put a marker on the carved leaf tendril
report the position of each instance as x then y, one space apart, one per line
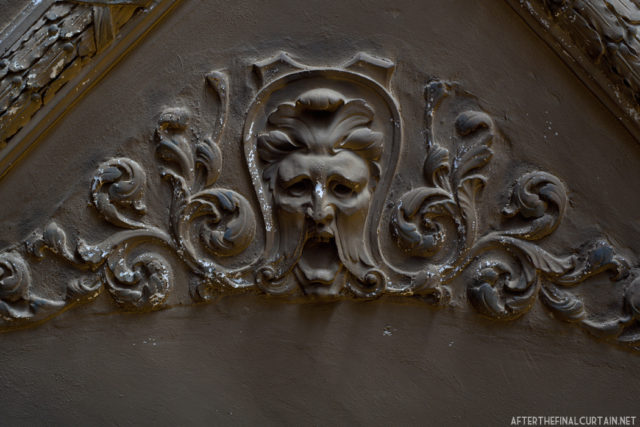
501 291
141 284
221 239
17 301
119 183
436 168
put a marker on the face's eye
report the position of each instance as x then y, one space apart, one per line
299 188
343 190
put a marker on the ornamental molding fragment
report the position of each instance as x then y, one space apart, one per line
599 41
58 51
322 147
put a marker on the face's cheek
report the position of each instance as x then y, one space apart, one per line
291 204
292 190
319 185
353 204
348 183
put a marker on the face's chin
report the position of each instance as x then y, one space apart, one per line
319 266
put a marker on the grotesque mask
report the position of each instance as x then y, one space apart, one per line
321 159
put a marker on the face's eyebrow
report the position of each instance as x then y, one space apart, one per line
349 168
341 179
293 169
286 180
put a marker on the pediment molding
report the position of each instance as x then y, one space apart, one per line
322 146
598 40
55 54
326 236
43 72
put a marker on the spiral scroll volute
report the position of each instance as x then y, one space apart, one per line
15 278
421 220
216 222
502 288
371 285
138 281
119 185
539 198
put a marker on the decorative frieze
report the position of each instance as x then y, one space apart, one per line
322 147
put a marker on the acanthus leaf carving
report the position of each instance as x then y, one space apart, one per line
205 221
562 303
17 299
322 146
220 237
141 283
119 183
510 268
538 196
501 291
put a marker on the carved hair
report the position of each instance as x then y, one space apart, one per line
321 121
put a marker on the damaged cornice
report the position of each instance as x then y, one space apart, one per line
599 41
55 54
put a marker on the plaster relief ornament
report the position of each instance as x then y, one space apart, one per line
320 165
322 146
318 144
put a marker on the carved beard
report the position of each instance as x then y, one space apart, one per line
319 261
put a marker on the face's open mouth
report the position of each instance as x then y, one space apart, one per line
321 234
319 265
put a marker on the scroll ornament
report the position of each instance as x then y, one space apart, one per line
322 147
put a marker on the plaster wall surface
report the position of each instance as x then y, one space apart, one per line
248 359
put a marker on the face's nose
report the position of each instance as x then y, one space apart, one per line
321 211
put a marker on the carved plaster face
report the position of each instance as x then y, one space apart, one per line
324 190
321 158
